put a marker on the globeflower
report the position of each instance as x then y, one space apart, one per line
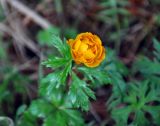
87 49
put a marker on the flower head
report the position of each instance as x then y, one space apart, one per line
87 48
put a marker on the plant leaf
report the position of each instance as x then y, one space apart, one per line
40 108
157 48
79 93
44 36
55 62
94 74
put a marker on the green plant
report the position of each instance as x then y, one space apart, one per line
149 69
110 15
64 91
12 83
141 98
138 100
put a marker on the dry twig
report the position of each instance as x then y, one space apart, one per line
27 12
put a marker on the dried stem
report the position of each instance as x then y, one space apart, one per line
28 12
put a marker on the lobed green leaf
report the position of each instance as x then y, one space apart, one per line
79 93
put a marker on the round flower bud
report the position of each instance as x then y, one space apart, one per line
87 48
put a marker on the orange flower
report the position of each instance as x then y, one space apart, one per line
87 48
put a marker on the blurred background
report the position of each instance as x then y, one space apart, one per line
126 26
